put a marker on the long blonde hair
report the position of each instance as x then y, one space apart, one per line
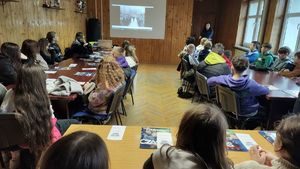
109 73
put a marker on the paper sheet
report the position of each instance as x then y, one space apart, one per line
246 140
73 65
116 133
89 68
50 72
164 138
271 87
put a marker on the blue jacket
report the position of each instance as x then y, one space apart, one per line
247 89
252 55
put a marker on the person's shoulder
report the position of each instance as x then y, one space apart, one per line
250 165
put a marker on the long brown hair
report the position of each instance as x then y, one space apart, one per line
30 48
32 103
78 150
43 43
289 131
202 131
12 51
109 73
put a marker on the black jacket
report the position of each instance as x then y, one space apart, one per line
207 33
54 50
80 50
49 58
8 73
213 70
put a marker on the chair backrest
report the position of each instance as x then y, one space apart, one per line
11 131
129 83
202 85
116 100
3 91
228 100
184 65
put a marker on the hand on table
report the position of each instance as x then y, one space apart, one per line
261 156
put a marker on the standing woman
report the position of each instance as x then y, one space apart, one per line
54 47
10 61
207 32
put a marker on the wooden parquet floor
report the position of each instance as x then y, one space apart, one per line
155 96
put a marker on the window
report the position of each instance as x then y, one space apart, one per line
291 28
253 21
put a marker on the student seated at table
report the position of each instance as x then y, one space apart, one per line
265 59
80 48
246 88
203 53
44 51
10 61
283 59
78 150
200 142
119 54
295 71
200 47
108 78
214 64
54 47
30 48
29 99
130 50
253 54
286 147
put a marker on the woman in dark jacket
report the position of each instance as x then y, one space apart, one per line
207 32
80 48
10 61
54 47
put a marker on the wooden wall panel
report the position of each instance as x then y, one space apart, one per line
178 27
28 20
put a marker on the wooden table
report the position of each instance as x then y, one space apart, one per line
278 101
126 154
81 63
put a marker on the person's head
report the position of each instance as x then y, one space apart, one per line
79 36
287 143
52 37
284 52
203 40
297 58
78 150
11 51
118 51
125 44
32 103
218 48
207 45
266 47
202 131
190 40
254 45
190 49
30 48
207 26
109 73
44 45
239 64
228 54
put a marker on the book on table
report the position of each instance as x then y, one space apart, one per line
238 141
153 138
269 135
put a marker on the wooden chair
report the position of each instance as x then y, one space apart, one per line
11 133
128 89
229 101
112 109
202 87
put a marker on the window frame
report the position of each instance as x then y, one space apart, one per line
257 16
284 25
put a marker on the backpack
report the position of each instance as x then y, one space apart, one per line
184 94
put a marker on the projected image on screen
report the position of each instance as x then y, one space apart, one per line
132 17
137 18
